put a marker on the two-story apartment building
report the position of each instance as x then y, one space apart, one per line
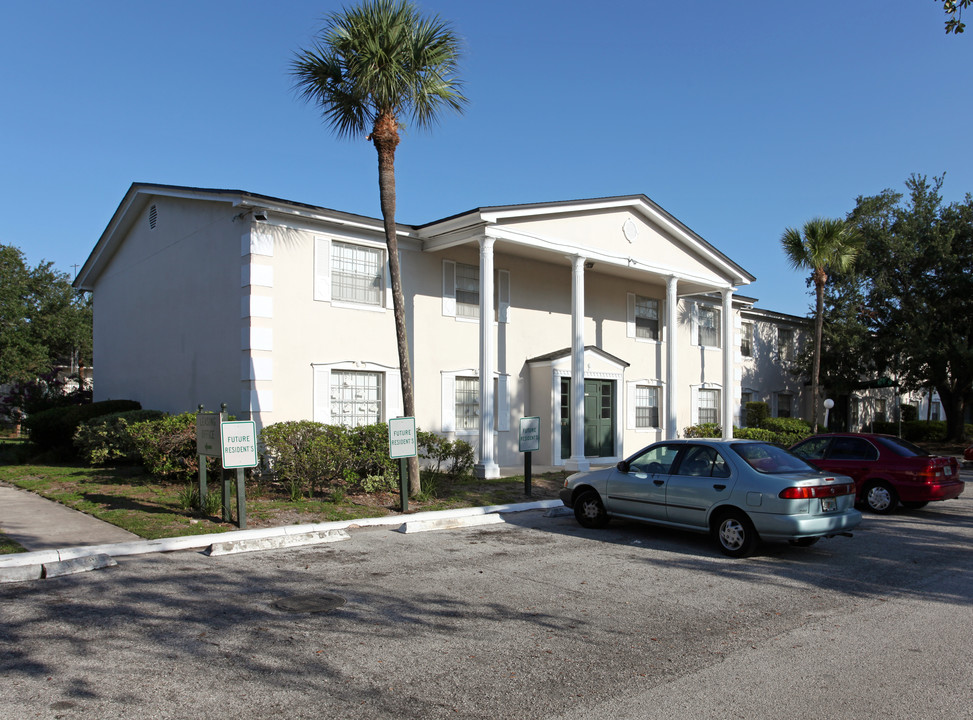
608 319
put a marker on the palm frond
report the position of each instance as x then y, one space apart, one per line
380 58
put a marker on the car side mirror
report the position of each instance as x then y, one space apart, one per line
622 466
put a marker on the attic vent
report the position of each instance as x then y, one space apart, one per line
153 216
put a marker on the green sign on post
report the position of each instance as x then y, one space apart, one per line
403 444
530 440
239 443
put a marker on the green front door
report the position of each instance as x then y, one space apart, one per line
599 418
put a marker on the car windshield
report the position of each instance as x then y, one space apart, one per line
767 458
902 447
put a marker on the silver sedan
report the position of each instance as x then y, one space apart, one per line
739 491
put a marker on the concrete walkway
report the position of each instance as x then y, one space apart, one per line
40 524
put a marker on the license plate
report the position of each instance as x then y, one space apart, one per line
829 504
947 470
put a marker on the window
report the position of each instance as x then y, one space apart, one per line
785 405
709 406
467 402
646 407
356 398
852 448
356 273
746 340
702 461
785 343
646 318
881 413
467 290
461 292
708 326
659 460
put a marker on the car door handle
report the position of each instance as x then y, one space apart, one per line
719 487
660 483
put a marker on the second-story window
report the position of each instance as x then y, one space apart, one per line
356 274
746 339
785 343
646 318
708 326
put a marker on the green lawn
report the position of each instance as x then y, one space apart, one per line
132 500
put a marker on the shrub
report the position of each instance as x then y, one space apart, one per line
456 456
757 412
167 447
750 433
107 439
703 430
54 429
306 455
370 454
908 412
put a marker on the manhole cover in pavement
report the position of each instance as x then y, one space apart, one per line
322 602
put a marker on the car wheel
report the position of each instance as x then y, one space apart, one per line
735 534
880 497
589 510
914 505
803 542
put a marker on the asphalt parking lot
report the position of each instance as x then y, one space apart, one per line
532 618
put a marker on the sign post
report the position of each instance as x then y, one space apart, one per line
403 444
239 445
207 445
530 440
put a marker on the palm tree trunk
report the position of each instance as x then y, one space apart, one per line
385 137
818 335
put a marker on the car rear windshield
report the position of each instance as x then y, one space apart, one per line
902 447
770 459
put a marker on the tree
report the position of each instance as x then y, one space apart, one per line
44 322
370 66
824 246
918 266
954 11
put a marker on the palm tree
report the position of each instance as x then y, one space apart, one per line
371 65
825 246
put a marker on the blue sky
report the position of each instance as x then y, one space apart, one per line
739 118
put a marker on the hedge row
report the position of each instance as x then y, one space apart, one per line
780 431
308 457
54 429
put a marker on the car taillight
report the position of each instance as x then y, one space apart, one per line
934 468
805 492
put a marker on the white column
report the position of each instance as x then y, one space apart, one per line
729 391
487 467
672 394
577 460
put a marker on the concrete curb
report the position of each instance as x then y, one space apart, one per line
450 523
21 566
277 542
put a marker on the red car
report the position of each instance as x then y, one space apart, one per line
968 454
887 470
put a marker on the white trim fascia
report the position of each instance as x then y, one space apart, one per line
554 245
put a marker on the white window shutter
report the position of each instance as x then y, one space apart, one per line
449 288
694 328
389 302
694 401
503 404
630 321
630 403
322 269
393 394
322 395
503 294
449 403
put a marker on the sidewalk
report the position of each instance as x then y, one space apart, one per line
40 524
